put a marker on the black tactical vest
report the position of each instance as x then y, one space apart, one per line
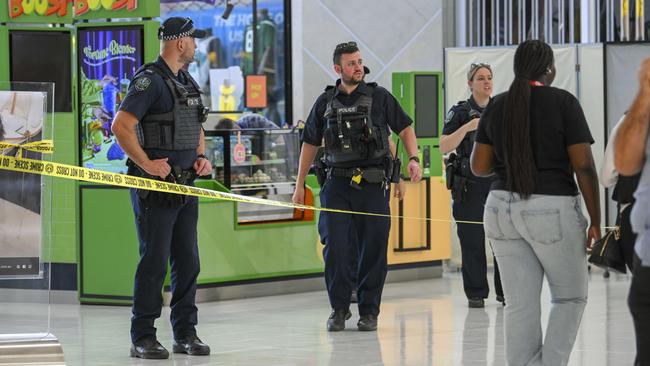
351 139
180 128
464 149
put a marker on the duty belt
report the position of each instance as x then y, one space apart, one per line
370 175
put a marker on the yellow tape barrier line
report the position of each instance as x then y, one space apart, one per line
42 146
121 180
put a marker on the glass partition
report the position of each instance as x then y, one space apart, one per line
256 162
26 116
243 64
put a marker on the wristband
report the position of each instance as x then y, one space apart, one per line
415 159
201 156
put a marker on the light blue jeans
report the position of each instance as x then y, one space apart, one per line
541 235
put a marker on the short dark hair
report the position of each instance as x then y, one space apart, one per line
341 48
226 124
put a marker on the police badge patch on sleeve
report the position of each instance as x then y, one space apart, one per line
449 116
142 84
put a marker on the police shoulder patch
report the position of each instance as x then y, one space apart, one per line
450 115
142 83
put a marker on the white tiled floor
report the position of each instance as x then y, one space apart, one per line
422 323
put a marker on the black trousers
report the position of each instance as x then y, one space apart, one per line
166 235
639 303
346 236
472 243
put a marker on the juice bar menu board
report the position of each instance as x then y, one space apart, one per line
108 59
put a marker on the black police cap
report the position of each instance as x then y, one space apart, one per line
177 27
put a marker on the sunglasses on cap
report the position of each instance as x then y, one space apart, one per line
345 45
475 66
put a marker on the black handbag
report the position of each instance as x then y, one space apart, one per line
607 253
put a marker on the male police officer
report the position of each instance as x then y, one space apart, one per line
159 127
354 118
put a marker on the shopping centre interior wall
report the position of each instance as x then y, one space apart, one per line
392 35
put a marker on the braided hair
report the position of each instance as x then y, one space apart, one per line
533 60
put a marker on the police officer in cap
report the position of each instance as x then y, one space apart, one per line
353 117
469 192
158 125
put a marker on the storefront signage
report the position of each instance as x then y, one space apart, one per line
256 91
83 6
46 8
114 51
38 7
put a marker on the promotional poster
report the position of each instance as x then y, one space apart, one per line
108 59
21 121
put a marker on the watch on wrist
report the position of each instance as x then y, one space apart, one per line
415 159
201 156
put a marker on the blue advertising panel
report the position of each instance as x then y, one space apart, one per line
108 59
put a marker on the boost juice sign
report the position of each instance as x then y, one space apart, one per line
81 7
59 8
46 8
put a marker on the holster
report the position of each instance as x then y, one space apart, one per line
459 188
320 170
162 199
393 169
450 170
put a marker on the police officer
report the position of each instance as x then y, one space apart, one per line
159 127
468 191
354 118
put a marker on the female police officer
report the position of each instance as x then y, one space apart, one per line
468 191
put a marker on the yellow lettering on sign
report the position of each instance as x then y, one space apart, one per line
28 6
41 6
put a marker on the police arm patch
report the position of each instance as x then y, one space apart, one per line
449 116
142 84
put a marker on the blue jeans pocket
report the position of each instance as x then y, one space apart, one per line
543 226
491 223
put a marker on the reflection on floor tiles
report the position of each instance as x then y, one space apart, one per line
422 323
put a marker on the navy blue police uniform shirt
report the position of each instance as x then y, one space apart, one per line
458 116
148 94
556 122
386 112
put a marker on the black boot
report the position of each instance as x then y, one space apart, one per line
367 323
192 346
336 321
150 348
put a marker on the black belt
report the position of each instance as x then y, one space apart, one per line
371 175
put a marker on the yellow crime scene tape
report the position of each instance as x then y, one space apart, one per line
42 146
65 171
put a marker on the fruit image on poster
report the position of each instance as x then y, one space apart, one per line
108 59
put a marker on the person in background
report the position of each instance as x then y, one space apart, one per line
469 192
247 122
623 194
630 158
533 138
